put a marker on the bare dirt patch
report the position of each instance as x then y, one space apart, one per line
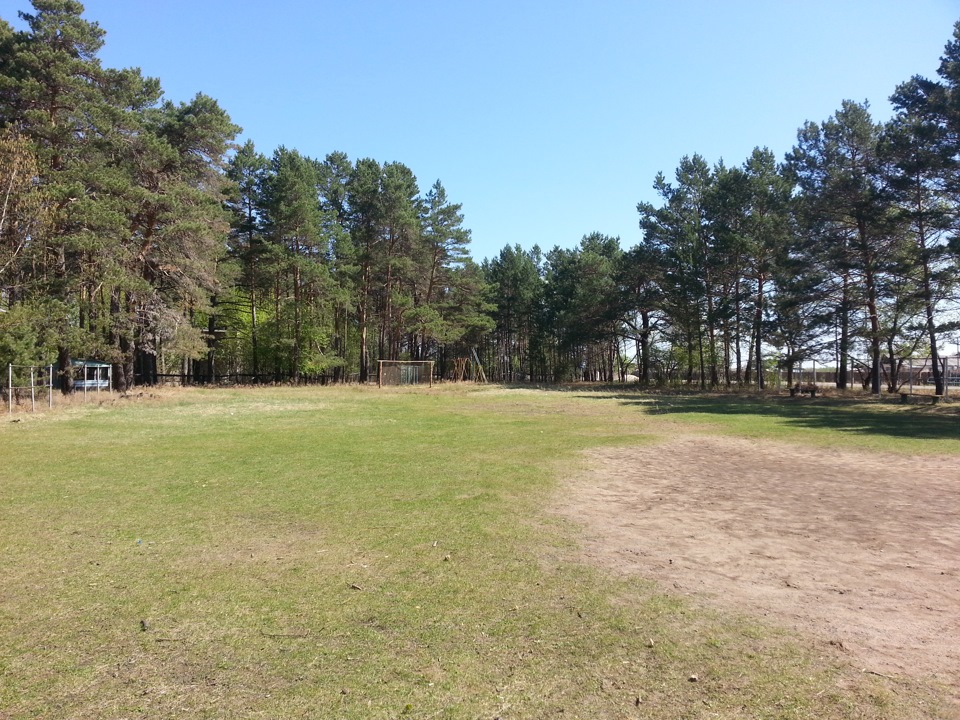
860 551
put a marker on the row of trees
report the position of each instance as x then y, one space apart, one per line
134 230
337 264
112 222
846 249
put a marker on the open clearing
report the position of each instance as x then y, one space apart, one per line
859 551
354 553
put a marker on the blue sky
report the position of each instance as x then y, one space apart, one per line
546 120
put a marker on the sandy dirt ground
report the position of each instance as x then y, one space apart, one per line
858 551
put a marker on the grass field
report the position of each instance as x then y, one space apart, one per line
354 553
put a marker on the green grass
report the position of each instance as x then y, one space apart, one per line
854 422
351 553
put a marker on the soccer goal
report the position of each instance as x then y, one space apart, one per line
405 372
27 381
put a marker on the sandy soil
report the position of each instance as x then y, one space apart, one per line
858 551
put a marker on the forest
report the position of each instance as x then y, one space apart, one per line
137 231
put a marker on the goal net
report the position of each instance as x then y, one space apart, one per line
405 372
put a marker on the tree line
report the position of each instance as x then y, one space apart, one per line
135 230
846 250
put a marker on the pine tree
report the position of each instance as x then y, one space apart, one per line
440 252
922 148
516 279
133 227
836 168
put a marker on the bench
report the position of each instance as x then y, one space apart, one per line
917 399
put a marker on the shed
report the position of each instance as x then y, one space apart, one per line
92 375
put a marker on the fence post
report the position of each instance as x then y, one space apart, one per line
50 387
33 391
10 388
946 380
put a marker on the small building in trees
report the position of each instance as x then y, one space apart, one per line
92 375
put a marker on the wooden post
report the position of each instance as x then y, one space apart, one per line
946 380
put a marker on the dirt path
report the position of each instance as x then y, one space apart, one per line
862 551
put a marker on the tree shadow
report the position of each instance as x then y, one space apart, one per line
859 416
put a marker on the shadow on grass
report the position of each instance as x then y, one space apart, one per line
846 415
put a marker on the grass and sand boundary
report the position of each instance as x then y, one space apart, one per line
353 553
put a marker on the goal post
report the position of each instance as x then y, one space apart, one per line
405 372
27 378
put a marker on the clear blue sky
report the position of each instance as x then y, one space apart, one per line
547 120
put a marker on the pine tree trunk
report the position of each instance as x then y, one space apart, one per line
928 307
874 330
65 369
758 334
844 349
645 347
